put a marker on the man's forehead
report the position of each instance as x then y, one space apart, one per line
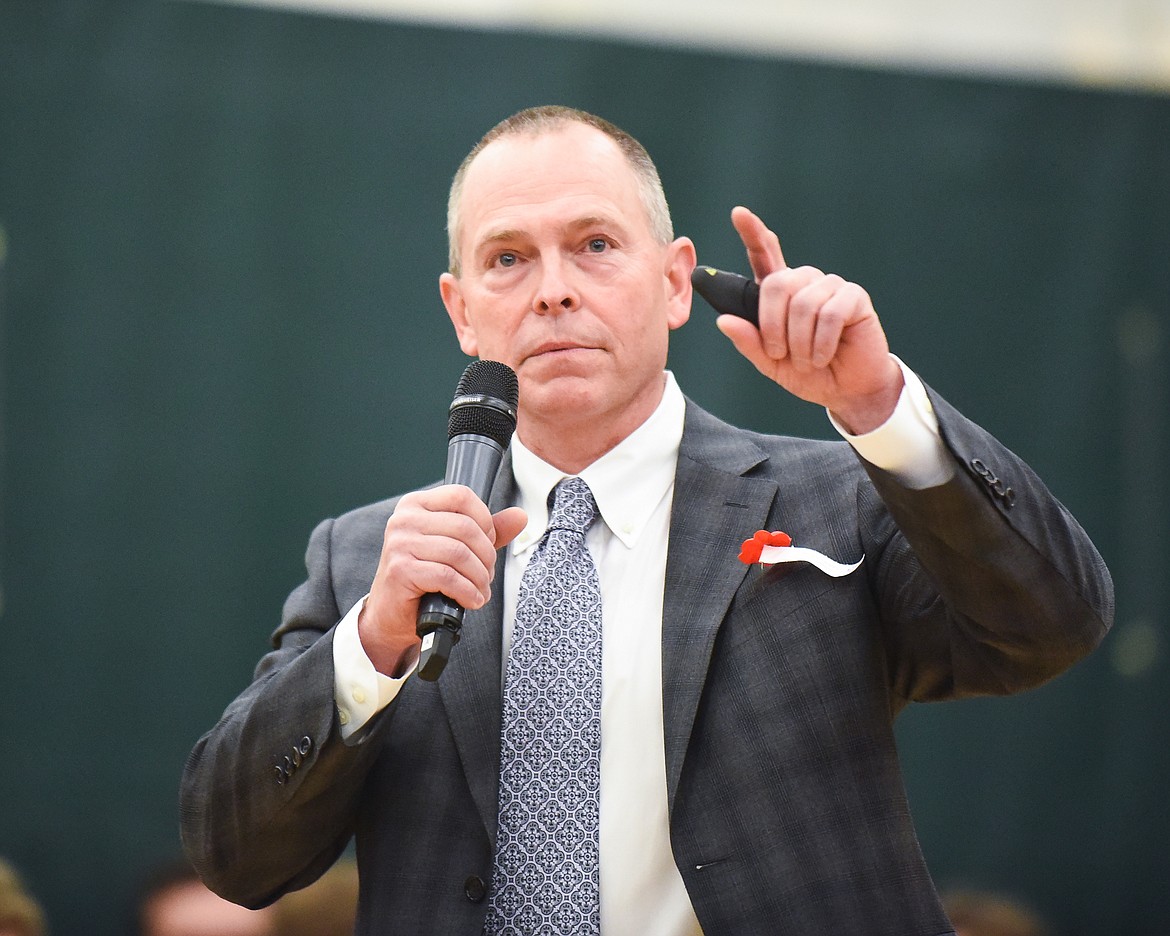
576 171
563 147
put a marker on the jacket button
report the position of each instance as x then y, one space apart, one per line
981 469
475 889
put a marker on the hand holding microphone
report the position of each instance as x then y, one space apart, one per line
439 549
481 420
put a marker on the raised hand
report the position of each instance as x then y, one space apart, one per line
819 337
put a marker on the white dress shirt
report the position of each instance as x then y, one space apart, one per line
642 892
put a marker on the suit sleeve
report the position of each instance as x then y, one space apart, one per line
986 584
268 796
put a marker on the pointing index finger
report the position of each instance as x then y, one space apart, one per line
763 246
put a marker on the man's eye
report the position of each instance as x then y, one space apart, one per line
506 259
598 245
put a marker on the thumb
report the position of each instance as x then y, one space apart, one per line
507 525
745 337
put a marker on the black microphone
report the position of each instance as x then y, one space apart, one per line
728 293
480 423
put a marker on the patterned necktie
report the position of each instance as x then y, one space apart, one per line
546 877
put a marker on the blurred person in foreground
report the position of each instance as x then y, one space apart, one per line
729 764
175 902
327 907
20 914
981 913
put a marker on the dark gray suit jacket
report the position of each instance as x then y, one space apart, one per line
787 810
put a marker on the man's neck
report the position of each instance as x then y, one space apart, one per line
570 452
572 445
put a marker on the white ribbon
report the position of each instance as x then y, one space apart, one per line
770 555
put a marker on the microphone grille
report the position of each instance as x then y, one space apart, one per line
485 402
490 378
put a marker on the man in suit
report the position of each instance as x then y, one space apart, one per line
748 773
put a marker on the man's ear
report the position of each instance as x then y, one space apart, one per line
452 293
680 262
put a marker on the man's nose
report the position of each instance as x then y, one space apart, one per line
554 293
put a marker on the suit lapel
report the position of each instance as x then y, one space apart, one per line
715 508
470 685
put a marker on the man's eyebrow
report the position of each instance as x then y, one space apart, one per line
507 234
492 239
594 221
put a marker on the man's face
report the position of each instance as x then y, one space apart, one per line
563 281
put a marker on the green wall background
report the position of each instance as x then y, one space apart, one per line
220 323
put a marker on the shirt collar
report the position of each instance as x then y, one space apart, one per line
628 482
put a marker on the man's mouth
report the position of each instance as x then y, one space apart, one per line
554 347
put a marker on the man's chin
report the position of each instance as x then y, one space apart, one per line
561 393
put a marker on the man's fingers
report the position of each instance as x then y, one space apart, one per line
783 328
746 339
451 498
442 540
442 536
844 307
420 563
762 244
804 315
814 319
439 578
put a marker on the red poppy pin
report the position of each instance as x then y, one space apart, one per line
771 548
753 548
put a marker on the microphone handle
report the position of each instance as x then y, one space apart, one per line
472 460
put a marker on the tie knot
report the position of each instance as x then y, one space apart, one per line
573 506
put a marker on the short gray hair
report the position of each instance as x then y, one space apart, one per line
535 121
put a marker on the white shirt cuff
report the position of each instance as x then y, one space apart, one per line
359 690
908 444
